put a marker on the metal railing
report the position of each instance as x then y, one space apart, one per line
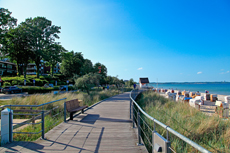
138 115
53 111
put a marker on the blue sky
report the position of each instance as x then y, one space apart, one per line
172 41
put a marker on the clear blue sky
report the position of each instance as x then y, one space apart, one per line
169 40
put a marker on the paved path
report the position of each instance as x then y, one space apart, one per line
10 96
104 128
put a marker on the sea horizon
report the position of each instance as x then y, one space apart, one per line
221 88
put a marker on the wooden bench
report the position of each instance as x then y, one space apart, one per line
73 106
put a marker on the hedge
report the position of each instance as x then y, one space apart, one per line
38 82
33 90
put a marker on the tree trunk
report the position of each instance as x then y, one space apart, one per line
87 90
19 71
24 69
52 69
37 62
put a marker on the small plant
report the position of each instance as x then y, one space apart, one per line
14 82
6 84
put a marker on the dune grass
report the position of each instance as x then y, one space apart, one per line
212 133
4 102
50 121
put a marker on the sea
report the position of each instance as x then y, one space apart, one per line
213 88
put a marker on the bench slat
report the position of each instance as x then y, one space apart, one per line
79 108
68 107
75 104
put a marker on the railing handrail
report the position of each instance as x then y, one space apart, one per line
182 137
32 105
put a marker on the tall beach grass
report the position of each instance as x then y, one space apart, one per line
213 133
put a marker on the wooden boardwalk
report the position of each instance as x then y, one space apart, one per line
104 128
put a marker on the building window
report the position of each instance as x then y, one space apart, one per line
9 66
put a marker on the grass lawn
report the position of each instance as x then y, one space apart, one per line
4 102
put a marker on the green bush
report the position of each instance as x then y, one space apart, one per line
56 88
38 82
33 90
52 82
15 82
6 84
62 83
60 77
70 88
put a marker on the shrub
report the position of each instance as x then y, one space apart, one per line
39 82
62 83
14 82
33 90
52 82
70 88
6 84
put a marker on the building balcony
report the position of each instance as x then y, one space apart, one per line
3 67
31 73
31 68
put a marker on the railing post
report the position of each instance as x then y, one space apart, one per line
133 115
153 141
130 109
139 128
43 125
64 112
10 126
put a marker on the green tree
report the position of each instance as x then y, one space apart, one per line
72 64
18 47
116 81
130 83
109 80
87 67
6 22
86 82
101 69
44 34
54 55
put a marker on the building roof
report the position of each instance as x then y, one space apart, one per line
144 80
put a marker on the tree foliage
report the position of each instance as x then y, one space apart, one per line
72 64
86 82
54 55
87 67
44 35
17 46
6 22
100 68
130 83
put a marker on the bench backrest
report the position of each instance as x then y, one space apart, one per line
72 104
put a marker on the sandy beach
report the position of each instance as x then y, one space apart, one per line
208 107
